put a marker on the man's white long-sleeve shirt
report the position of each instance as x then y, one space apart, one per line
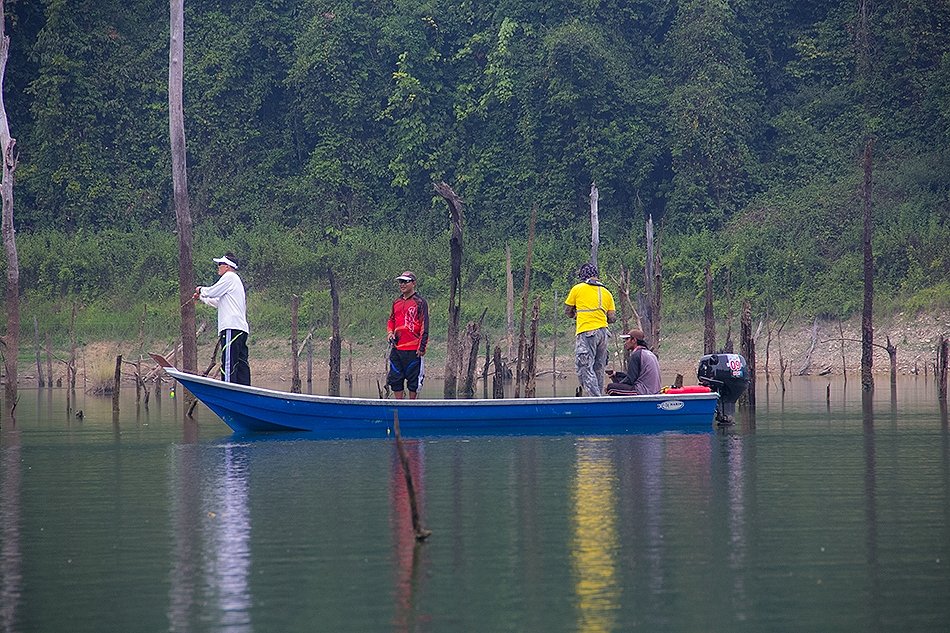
227 295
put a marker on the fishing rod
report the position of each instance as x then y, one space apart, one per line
193 297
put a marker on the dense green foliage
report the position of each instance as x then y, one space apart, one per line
315 130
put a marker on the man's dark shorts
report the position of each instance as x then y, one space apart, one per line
405 370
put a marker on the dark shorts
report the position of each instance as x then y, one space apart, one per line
405 370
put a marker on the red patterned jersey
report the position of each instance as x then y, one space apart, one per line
409 322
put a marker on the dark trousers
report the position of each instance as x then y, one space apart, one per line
234 366
621 389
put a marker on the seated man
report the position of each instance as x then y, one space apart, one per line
643 370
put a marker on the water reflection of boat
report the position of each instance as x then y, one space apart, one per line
211 561
252 409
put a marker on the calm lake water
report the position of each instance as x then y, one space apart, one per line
821 515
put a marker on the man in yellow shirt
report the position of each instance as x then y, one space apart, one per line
592 305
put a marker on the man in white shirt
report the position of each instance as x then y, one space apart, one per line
227 295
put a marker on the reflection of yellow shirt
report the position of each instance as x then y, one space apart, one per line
592 303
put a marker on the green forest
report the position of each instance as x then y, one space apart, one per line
316 128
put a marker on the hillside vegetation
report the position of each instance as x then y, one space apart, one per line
316 129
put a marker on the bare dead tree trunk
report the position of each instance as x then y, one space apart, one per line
473 339
310 365
176 132
49 360
36 343
623 290
892 357
139 380
498 382
942 353
747 345
594 223
657 298
71 368
524 298
336 342
294 358
486 366
158 379
349 364
650 299
531 365
867 326
709 320
11 340
554 333
806 364
782 363
645 296
509 305
116 383
844 363
450 389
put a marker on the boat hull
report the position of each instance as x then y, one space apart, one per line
252 410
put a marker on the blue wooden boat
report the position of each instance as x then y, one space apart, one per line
253 409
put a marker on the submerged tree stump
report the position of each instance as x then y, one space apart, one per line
450 387
747 344
867 325
709 321
942 361
531 365
498 382
336 343
294 356
524 299
116 383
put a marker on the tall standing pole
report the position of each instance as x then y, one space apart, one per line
594 223
176 133
709 321
509 305
867 326
294 351
526 287
11 339
336 339
452 352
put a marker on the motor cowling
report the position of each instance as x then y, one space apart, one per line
728 375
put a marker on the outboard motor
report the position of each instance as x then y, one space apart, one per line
728 375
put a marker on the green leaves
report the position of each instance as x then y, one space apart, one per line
713 115
323 124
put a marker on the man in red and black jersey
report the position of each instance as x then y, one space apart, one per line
408 330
